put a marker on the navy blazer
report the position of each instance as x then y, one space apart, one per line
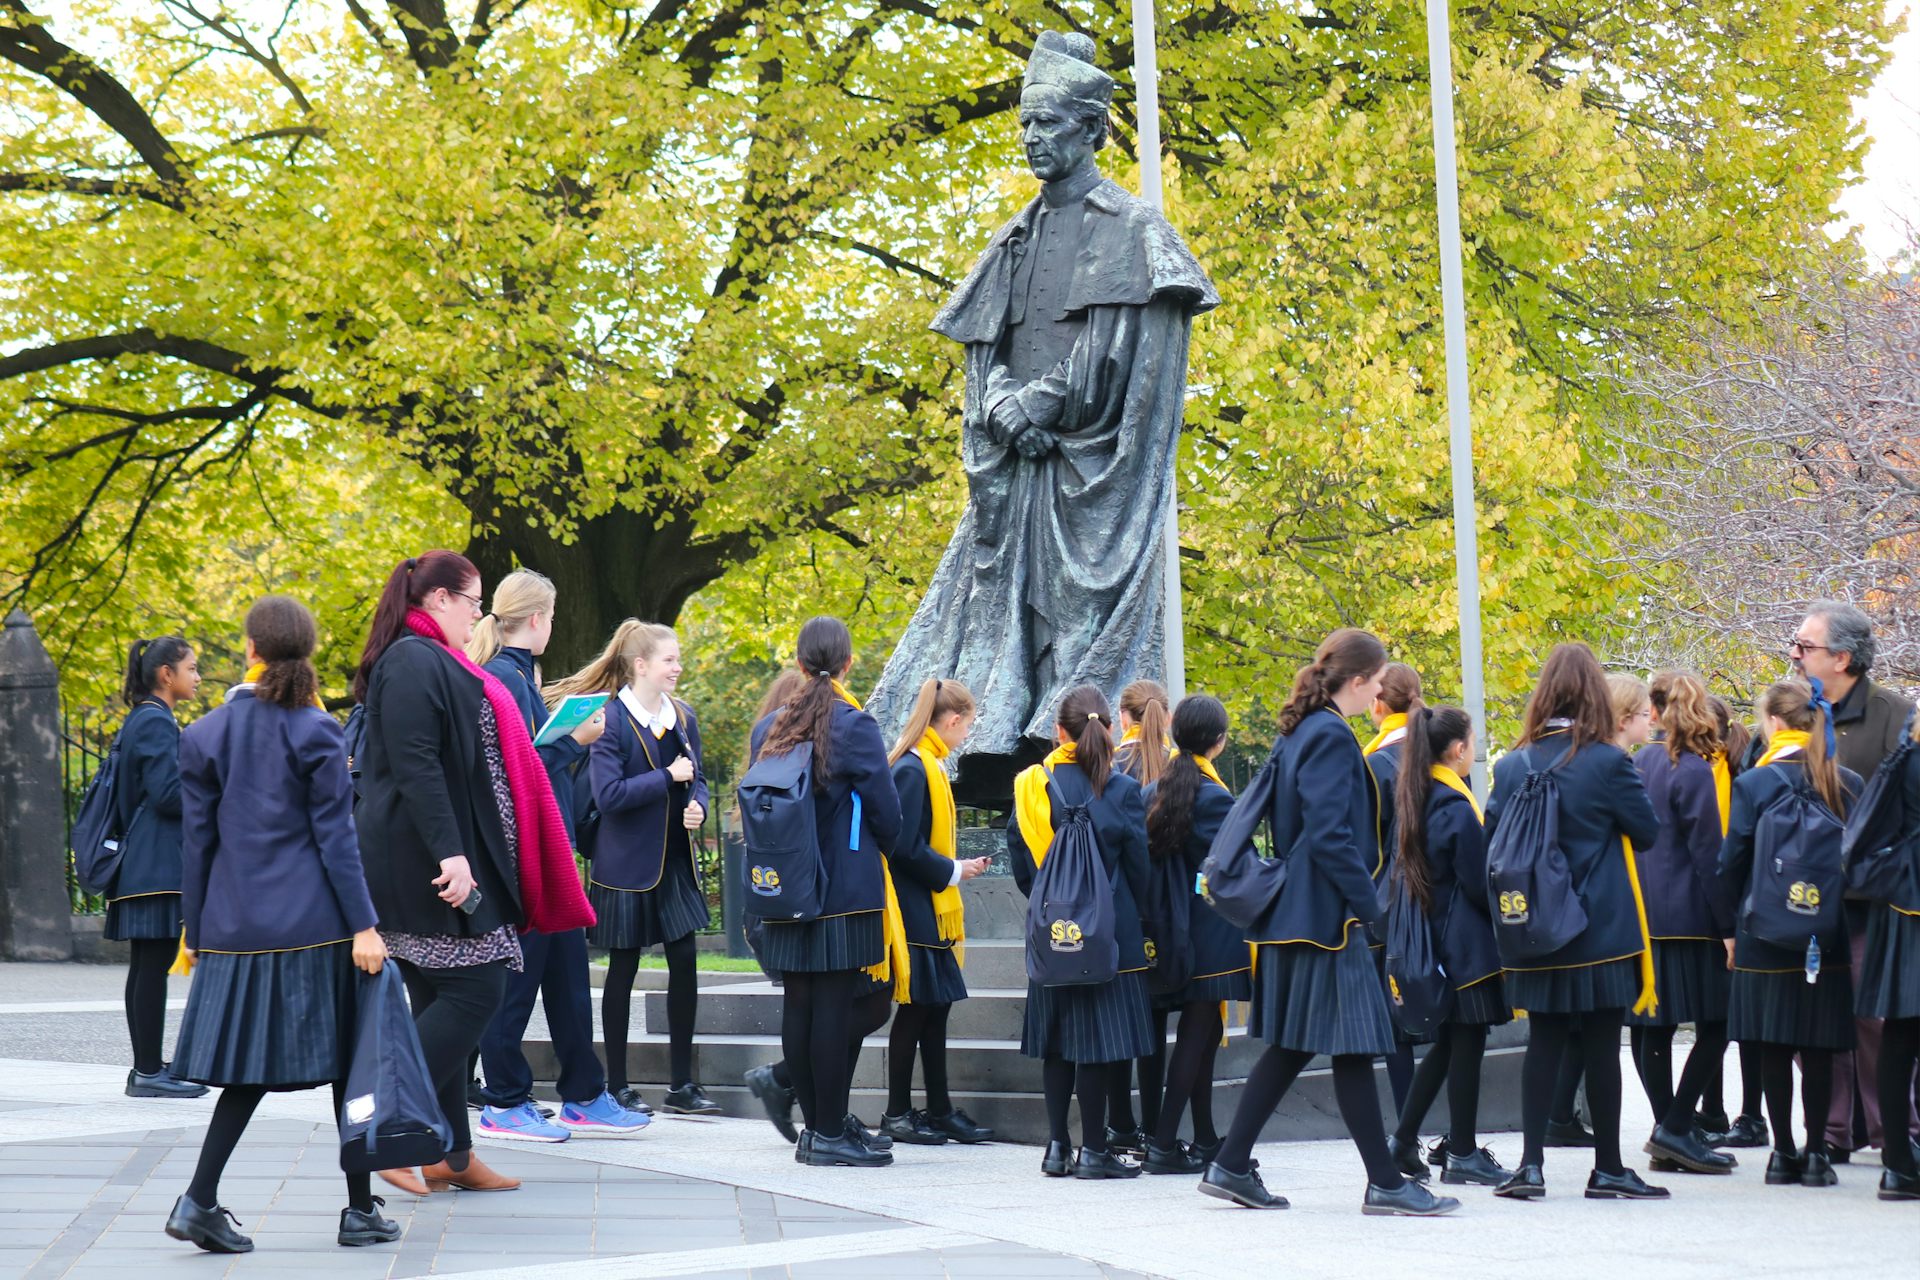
1326 824
857 760
1457 871
1753 793
1214 947
149 796
272 863
1680 872
564 758
1384 764
641 808
1601 800
1909 839
918 872
1120 827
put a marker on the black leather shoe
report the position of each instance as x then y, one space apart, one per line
1747 1131
1477 1169
1570 1133
1624 1185
1816 1170
1899 1186
161 1084
1177 1159
913 1129
1244 1189
1407 1158
1686 1151
1525 1183
1408 1200
1104 1164
1784 1170
802 1145
777 1101
368 1227
211 1229
1716 1123
690 1100
1127 1141
1437 1152
860 1133
960 1127
629 1097
845 1149
1839 1155
1058 1162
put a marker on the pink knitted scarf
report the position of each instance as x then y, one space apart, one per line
550 894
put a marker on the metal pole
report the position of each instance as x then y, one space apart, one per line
1466 540
1146 85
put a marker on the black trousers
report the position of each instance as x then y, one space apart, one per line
451 1010
555 973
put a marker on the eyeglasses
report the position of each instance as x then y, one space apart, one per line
1799 646
479 606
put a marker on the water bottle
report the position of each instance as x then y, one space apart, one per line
1813 960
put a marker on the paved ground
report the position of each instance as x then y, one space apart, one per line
87 1175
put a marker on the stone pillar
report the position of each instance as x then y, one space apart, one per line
36 916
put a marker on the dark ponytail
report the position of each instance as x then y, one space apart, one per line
1347 653
1088 720
411 582
1430 732
824 649
145 658
284 637
1198 723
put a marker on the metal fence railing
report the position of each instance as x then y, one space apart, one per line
85 735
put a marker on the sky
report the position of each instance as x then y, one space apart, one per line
1886 203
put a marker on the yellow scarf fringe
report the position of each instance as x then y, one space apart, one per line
1649 998
1393 723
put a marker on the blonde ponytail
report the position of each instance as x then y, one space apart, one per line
516 600
937 699
613 669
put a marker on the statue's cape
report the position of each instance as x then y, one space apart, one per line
1130 256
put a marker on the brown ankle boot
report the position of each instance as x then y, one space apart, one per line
475 1177
407 1180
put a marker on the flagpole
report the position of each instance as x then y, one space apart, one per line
1466 549
1146 85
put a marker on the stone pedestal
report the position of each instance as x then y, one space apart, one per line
35 913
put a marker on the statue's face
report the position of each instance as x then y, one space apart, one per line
1057 139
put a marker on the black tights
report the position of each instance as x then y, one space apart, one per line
1152 1068
1599 1049
1455 1060
1093 1081
1653 1057
816 1022
1899 1050
1189 1075
1816 1094
231 1112
918 1029
147 998
869 1015
683 997
1713 1096
1353 1089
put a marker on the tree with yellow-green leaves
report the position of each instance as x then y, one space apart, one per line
637 294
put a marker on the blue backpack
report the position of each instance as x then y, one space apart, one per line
1877 861
1797 879
356 737
1236 881
1165 916
1071 939
784 875
1418 990
1536 910
391 1116
96 834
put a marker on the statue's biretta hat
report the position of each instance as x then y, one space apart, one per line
1063 63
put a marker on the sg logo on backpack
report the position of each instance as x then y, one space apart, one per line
1153 952
766 882
1393 989
1066 936
1513 908
1803 898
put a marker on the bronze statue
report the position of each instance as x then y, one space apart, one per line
1076 323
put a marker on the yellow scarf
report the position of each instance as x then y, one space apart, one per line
1649 998
1032 808
1388 727
949 913
1206 767
1722 788
846 697
1130 733
259 669
1784 740
1451 780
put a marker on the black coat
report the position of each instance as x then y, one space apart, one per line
1866 726
1214 947
1679 872
1457 869
918 872
641 808
1910 838
1326 823
270 857
1753 793
1384 764
1601 800
426 794
149 795
857 759
564 758
1120 826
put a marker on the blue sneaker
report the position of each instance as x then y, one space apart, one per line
602 1115
519 1124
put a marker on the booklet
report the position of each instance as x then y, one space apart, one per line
574 710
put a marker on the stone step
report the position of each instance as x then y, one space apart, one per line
656 979
753 1009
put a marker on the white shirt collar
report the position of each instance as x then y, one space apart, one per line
660 720
1398 735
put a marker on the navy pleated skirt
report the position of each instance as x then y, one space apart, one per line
274 1019
1888 984
1213 988
936 976
1100 1022
1483 1004
830 945
1612 984
151 915
1691 977
1313 1000
628 919
1786 1009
